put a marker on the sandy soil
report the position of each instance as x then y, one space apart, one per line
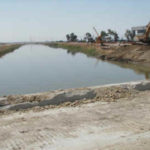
122 125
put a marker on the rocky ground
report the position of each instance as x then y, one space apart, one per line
68 97
117 117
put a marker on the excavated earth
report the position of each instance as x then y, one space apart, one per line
104 117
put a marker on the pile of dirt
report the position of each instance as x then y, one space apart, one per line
128 53
112 94
71 98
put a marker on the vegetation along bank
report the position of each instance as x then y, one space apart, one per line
122 52
7 48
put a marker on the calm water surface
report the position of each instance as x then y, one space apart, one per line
37 68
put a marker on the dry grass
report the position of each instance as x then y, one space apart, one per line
4 49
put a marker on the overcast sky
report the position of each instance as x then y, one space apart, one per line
24 20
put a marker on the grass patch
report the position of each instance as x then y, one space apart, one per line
89 51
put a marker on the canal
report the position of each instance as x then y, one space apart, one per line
39 68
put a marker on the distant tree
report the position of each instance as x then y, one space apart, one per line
116 37
103 35
68 37
88 37
132 35
129 35
114 34
110 32
71 37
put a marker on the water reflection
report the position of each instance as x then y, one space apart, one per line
138 68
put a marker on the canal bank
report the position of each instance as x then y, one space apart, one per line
73 97
118 119
121 52
7 48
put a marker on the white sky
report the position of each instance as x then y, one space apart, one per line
40 20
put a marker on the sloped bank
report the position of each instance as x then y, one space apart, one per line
121 53
7 48
73 97
136 57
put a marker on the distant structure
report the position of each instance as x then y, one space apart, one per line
138 31
141 32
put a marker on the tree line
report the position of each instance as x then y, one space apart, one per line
109 35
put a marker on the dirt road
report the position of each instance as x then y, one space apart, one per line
121 125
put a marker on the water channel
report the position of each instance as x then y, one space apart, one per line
39 68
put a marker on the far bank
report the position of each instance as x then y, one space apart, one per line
7 48
122 52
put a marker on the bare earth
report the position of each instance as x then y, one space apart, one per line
120 125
